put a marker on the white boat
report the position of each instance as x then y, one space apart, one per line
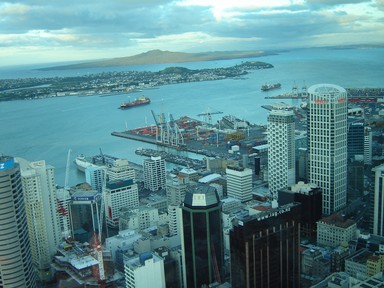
82 162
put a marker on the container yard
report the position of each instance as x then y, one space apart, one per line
229 138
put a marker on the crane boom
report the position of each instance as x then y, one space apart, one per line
66 186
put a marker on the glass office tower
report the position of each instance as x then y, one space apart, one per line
202 239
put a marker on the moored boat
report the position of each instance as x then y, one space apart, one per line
82 162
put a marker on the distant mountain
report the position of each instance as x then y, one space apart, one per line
159 56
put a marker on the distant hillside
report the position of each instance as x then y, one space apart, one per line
159 56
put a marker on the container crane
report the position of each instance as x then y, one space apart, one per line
207 116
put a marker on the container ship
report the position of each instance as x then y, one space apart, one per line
137 102
267 87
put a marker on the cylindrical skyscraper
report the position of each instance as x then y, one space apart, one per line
16 268
327 143
202 239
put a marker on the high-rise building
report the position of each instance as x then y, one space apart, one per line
378 206
368 146
202 238
309 196
176 189
39 189
84 214
154 173
239 183
356 138
94 176
119 194
265 248
359 140
146 270
16 268
121 169
63 201
281 151
327 144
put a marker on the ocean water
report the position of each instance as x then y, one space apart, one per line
46 129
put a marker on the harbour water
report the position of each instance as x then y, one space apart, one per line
46 129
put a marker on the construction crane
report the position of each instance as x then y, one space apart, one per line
66 186
61 210
207 116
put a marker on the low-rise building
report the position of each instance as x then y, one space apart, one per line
334 230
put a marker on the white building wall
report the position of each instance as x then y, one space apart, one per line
368 146
121 170
146 274
281 151
16 269
63 199
154 173
94 176
117 198
378 207
239 183
39 189
327 143
332 235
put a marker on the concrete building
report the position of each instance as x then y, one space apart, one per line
375 281
314 265
119 244
16 268
39 189
281 151
356 264
202 238
120 170
63 201
94 176
176 188
368 146
146 270
230 205
141 218
335 230
154 174
119 194
378 206
327 144
239 183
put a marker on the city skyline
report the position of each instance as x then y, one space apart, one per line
30 32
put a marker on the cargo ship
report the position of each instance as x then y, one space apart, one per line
267 87
137 102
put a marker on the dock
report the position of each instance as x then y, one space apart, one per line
172 158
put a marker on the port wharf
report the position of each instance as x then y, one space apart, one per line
168 157
355 95
172 158
198 138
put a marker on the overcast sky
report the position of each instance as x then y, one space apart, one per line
38 31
